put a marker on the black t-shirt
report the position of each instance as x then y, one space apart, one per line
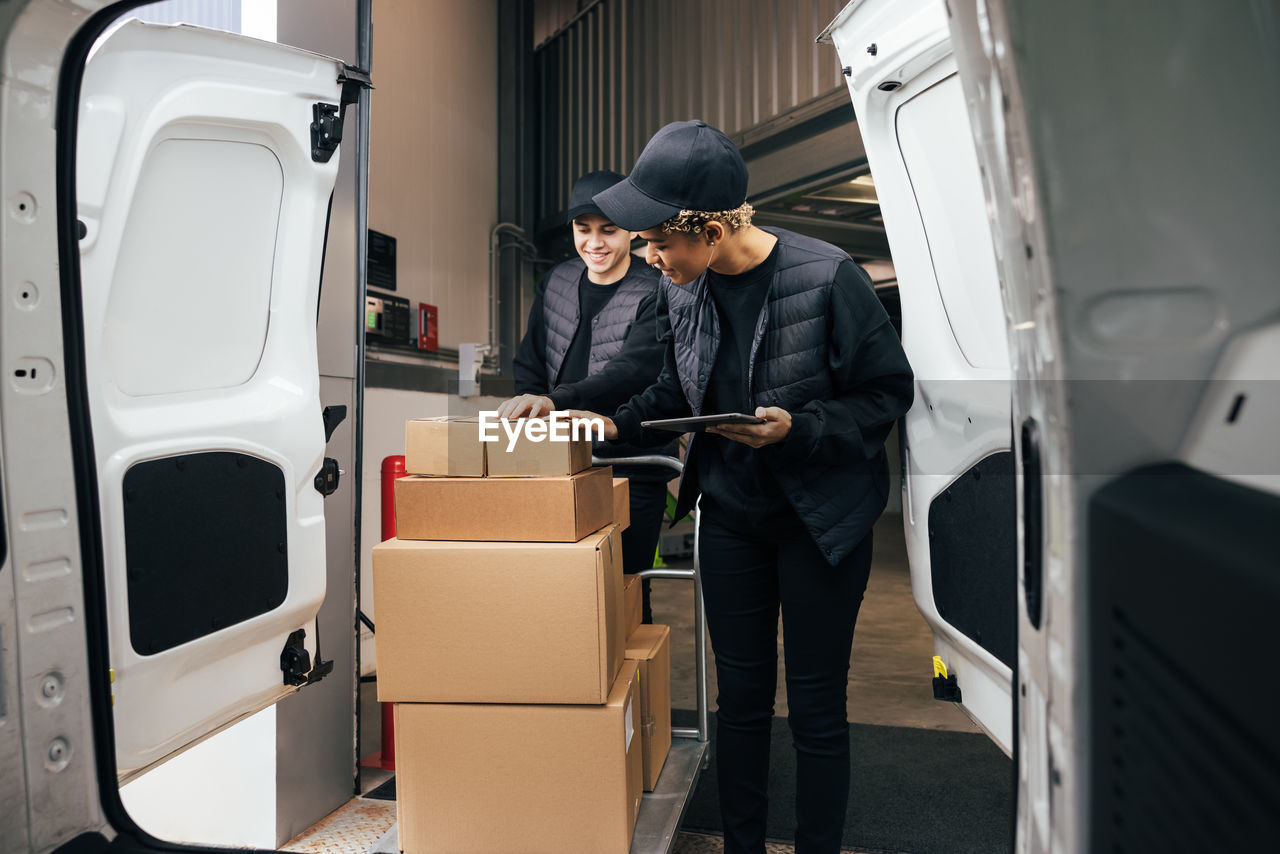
591 298
736 483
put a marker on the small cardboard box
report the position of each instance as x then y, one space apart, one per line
463 622
622 502
530 457
650 648
632 602
448 446
533 779
543 509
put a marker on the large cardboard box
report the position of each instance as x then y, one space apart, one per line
448 446
529 457
487 622
632 602
544 509
480 779
650 648
622 502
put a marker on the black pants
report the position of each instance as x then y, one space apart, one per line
745 581
640 539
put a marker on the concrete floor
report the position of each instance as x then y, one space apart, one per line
891 668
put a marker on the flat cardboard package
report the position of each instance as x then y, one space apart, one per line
448 446
650 648
535 458
543 509
632 602
480 779
463 622
622 502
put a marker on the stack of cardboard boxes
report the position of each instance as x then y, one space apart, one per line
526 718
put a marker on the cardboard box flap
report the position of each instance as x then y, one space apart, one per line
646 642
622 502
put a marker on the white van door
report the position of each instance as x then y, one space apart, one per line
205 166
959 501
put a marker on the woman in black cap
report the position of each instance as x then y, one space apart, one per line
591 344
787 328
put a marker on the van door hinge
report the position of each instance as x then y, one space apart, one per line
353 80
326 119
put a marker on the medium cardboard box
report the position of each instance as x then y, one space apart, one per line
533 458
622 502
475 779
448 446
543 509
650 648
463 622
632 602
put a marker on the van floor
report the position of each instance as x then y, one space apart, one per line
889 685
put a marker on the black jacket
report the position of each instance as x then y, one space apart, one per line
826 354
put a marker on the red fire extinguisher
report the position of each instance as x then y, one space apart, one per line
392 468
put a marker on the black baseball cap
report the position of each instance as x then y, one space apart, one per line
684 166
584 188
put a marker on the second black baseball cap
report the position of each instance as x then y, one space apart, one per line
684 166
587 186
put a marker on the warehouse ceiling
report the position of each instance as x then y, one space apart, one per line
844 212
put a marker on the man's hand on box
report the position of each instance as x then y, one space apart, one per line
531 405
610 429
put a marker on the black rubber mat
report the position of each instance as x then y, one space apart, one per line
914 791
383 792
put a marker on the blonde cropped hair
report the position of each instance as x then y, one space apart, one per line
693 222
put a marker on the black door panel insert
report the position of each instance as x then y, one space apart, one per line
973 554
206 541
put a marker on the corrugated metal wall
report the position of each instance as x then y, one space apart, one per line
625 68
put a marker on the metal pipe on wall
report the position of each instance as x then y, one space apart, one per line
492 359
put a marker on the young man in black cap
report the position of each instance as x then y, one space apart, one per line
591 344
788 328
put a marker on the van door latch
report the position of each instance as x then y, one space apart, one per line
295 661
326 481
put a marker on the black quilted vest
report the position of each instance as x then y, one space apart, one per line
837 503
560 313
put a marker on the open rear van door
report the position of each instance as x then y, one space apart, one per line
205 166
959 500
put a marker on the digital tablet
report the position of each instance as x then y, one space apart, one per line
697 422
